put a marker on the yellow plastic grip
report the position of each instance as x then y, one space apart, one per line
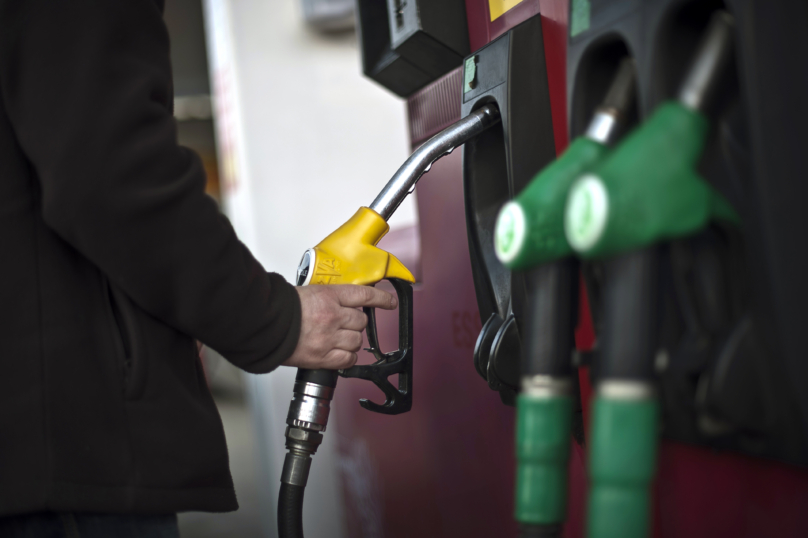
350 255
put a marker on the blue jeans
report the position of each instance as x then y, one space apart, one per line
77 525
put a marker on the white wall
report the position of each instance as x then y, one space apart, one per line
308 141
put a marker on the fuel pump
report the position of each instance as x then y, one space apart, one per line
530 235
644 192
349 256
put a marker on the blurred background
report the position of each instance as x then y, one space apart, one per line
270 94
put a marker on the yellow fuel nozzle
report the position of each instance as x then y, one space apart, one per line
349 255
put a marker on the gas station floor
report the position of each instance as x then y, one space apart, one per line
227 387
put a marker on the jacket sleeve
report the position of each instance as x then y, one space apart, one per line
87 84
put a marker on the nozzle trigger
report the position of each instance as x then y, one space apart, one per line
397 400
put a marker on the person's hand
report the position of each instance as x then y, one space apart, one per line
331 326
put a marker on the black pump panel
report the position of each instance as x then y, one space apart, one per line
431 34
497 165
406 44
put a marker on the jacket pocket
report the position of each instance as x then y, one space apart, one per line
130 341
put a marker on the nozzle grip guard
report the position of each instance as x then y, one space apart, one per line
397 400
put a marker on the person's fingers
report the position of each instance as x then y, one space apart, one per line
348 340
337 359
354 296
353 319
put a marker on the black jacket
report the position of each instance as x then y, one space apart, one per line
113 259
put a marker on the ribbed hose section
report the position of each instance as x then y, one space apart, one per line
541 531
290 511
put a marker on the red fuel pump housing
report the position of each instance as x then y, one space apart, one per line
446 468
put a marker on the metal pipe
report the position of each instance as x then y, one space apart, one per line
712 60
616 107
404 180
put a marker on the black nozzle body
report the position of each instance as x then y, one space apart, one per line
551 319
326 378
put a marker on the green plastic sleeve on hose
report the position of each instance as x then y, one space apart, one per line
646 190
530 230
622 460
543 432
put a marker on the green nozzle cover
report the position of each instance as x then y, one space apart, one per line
530 229
622 460
543 431
646 190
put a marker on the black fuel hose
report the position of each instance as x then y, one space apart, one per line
551 319
306 423
630 315
290 511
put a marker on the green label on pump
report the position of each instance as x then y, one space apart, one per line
579 18
470 78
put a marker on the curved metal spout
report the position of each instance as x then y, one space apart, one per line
404 180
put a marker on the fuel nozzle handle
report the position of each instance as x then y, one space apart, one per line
648 189
443 143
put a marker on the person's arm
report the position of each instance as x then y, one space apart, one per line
87 84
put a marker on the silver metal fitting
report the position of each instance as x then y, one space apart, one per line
294 434
604 126
315 390
545 386
302 444
614 389
310 407
611 115
296 469
712 61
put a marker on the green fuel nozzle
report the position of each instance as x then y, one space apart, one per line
530 229
530 234
647 189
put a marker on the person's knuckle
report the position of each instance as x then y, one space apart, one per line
340 358
350 360
356 343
